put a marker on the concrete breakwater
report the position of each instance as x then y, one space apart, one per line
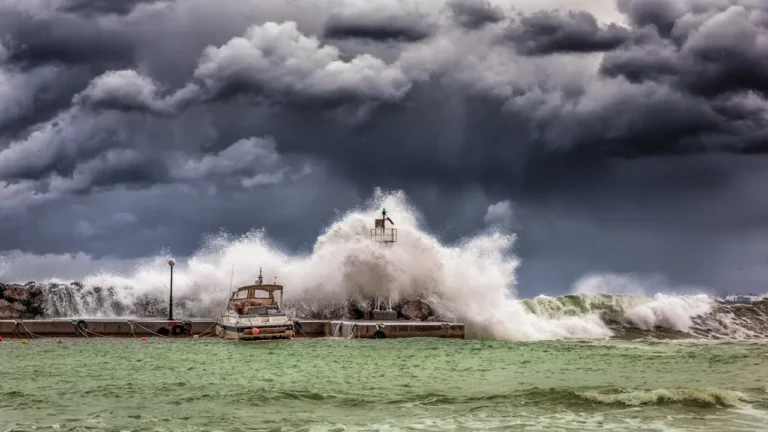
44 310
360 329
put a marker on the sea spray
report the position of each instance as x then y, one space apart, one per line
471 281
672 312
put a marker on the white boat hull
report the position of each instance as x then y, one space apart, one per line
244 328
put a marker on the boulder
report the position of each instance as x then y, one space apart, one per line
416 310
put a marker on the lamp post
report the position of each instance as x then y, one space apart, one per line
171 263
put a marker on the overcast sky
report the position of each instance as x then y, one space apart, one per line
614 136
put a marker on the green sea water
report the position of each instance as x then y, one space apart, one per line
382 385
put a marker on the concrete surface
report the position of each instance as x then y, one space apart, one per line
147 327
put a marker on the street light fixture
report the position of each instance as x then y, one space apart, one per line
171 263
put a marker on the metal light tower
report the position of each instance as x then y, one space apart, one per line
380 233
388 237
171 263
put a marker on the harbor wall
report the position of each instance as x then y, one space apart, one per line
350 329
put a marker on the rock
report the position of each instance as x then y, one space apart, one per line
416 310
10 310
21 301
355 313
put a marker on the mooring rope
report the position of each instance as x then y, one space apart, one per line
79 331
27 330
93 332
16 331
133 333
206 330
298 326
156 334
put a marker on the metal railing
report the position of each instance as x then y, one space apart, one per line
384 235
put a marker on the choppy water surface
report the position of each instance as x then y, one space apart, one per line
393 385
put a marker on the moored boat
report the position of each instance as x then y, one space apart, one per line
254 313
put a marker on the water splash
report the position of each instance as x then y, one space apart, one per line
472 281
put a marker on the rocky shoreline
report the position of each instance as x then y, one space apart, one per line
21 301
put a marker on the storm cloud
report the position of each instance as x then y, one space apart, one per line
640 123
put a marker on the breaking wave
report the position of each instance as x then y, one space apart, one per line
472 281
695 397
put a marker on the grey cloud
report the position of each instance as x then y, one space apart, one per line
17 197
124 90
279 59
274 61
720 52
661 14
37 37
501 214
251 162
125 167
242 156
89 229
380 20
92 8
731 52
576 32
639 64
474 14
18 89
57 145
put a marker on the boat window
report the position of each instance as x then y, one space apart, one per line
241 294
258 310
261 294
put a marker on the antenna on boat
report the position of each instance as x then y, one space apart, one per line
232 279
260 279
275 280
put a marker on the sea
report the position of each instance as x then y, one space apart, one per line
104 384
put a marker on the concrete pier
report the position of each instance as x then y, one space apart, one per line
379 329
82 327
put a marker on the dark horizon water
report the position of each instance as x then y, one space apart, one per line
387 385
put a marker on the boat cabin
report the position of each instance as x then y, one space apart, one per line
257 300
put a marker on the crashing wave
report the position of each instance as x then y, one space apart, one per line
346 275
610 315
697 397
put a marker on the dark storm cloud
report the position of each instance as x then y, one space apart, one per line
378 21
100 7
123 90
474 14
661 14
115 167
645 80
39 37
554 32
724 52
177 110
